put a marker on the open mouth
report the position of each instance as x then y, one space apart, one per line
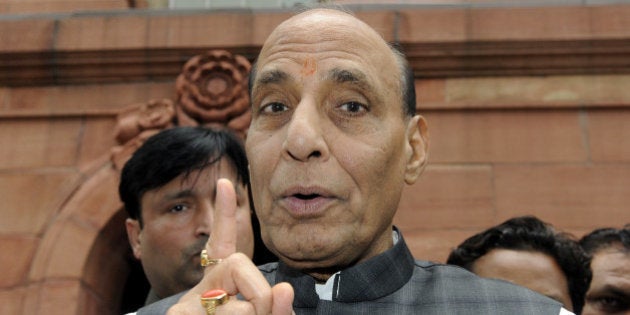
306 197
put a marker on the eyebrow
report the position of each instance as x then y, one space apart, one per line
614 290
272 77
354 77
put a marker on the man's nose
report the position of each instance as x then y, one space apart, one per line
204 219
305 135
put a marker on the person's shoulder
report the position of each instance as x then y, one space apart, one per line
463 285
461 277
161 306
444 273
436 267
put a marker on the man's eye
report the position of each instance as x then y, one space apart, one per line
611 304
274 107
178 208
353 107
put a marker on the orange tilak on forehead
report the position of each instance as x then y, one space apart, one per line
308 67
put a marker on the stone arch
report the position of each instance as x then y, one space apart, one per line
79 265
59 281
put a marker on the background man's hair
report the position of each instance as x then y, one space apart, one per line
173 152
606 237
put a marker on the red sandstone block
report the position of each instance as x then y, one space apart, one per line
102 32
55 297
97 140
505 136
199 30
84 99
548 92
610 21
73 237
432 25
435 245
29 200
263 24
609 135
430 93
39 265
96 201
38 143
12 300
20 35
528 23
448 197
382 21
569 196
4 98
19 251
53 6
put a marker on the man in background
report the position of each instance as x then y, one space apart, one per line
168 188
609 292
531 253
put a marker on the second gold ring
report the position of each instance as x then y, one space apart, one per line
207 261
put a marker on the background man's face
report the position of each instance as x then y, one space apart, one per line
327 143
534 270
177 220
609 292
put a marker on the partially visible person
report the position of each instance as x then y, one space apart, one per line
609 292
531 253
168 188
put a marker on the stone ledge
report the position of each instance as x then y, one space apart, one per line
62 51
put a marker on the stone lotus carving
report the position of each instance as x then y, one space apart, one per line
135 119
136 123
211 91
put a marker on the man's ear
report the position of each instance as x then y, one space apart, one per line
418 140
133 233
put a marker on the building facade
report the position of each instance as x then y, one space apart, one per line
528 106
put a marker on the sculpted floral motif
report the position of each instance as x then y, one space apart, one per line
138 122
212 90
133 120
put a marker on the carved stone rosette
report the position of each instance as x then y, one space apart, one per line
138 122
211 91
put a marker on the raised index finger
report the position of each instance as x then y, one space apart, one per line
222 240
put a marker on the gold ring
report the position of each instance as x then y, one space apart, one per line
213 298
207 261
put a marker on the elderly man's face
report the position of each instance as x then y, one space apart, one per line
609 292
330 148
